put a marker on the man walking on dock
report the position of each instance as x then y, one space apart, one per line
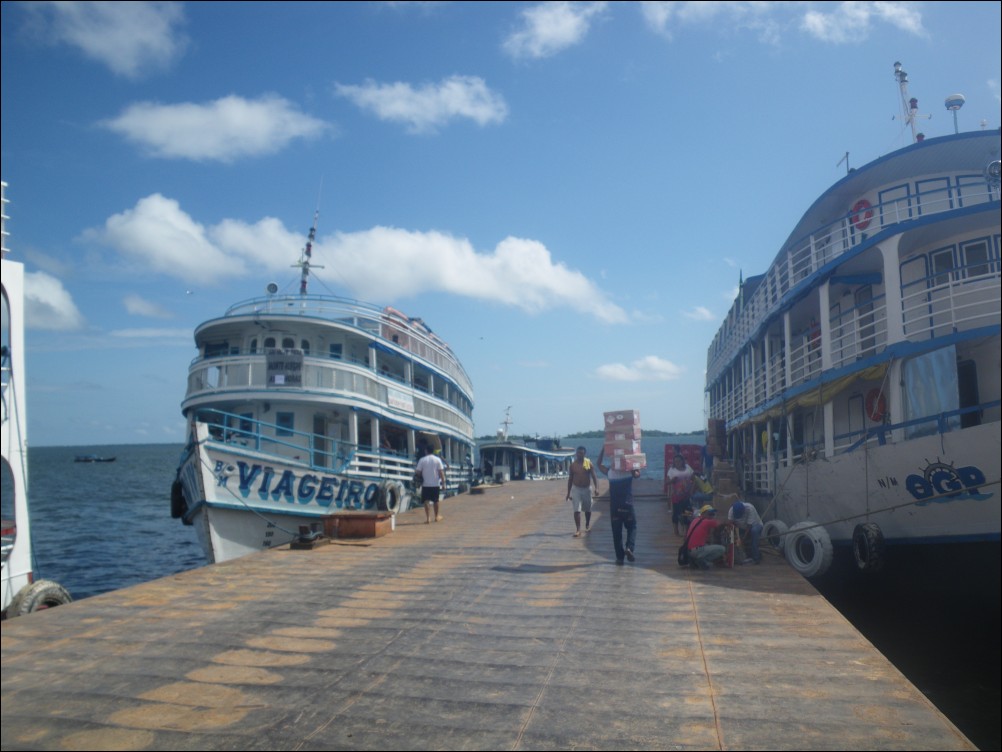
621 513
432 482
579 482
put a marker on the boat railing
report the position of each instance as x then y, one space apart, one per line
370 320
964 298
858 332
822 245
219 375
319 452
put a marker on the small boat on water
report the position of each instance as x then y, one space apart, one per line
506 458
303 406
92 458
20 592
855 385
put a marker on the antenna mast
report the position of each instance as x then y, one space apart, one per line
304 263
909 105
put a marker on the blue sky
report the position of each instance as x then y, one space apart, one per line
566 192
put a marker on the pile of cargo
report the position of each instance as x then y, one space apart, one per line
622 440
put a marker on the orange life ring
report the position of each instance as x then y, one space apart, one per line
876 405
862 213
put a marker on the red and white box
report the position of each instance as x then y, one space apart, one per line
619 448
622 421
629 462
622 440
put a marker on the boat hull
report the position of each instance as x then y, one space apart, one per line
931 490
241 502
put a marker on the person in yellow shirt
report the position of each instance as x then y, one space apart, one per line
579 483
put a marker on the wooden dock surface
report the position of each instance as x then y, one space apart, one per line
493 629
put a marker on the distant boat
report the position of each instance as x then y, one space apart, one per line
92 458
505 458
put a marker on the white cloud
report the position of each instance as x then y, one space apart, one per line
388 262
159 236
851 21
139 306
552 27
47 304
130 38
648 368
429 107
846 22
699 313
378 264
223 130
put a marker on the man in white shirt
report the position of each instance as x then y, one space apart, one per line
432 482
745 516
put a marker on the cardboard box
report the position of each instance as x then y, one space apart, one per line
624 434
617 448
629 462
622 420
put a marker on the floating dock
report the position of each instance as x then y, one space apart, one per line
492 629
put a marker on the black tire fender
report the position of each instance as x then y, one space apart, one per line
178 504
38 596
868 547
391 494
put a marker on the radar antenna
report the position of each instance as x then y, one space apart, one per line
909 105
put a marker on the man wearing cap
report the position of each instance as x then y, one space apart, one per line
701 552
746 518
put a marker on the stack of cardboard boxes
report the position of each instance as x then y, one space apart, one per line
622 440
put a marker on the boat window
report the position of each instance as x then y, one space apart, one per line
930 388
975 257
942 265
934 195
269 343
289 343
972 189
285 423
215 349
336 350
305 346
253 346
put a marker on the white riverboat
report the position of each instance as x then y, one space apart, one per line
857 380
21 592
506 458
303 406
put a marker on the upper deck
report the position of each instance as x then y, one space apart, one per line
920 184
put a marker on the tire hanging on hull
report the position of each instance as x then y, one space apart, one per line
37 596
774 534
868 547
808 548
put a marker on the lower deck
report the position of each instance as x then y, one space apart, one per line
492 629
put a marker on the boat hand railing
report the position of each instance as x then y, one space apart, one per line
952 300
929 425
298 446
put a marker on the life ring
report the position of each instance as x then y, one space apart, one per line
808 548
876 405
391 493
39 595
774 533
862 213
178 504
868 547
